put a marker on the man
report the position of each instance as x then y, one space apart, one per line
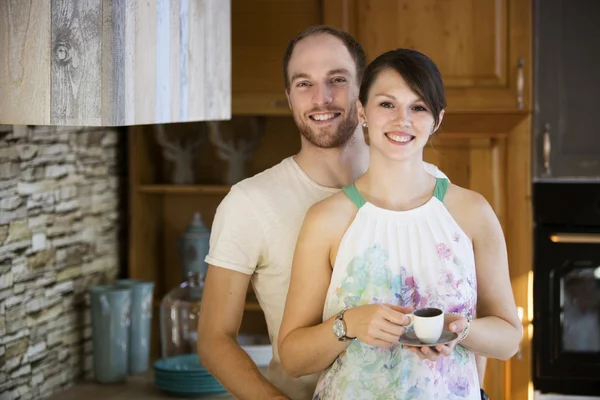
256 226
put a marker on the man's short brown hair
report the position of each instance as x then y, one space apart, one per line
354 48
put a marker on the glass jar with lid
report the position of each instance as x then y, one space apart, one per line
179 313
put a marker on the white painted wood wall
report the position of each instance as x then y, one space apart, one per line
114 62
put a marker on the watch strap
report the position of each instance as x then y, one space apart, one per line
340 317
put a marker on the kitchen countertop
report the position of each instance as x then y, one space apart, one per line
139 387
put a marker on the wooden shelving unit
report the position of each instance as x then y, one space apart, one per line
160 212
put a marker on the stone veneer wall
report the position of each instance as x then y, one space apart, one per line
60 220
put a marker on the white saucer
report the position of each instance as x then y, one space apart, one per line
410 339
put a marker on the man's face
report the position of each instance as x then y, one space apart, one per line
323 91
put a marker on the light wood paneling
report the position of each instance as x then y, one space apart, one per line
25 61
114 62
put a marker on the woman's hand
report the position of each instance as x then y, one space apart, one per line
454 323
377 324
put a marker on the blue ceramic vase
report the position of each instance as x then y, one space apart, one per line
110 308
140 329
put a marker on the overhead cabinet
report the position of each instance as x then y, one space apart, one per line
566 141
111 62
482 47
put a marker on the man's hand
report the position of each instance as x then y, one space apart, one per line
221 314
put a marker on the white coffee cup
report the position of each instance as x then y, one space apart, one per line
428 324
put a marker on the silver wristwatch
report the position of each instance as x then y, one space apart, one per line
339 327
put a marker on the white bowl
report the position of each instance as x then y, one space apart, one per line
258 348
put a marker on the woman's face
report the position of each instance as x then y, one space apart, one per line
398 121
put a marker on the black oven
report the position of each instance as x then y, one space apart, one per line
566 289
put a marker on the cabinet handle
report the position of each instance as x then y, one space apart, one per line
279 103
520 83
547 148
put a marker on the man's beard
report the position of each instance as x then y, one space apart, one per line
330 138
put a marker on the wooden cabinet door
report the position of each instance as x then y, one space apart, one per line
566 140
481 46
261 31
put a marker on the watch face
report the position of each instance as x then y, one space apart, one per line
338 328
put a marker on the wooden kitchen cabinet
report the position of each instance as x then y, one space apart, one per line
261 31
482 47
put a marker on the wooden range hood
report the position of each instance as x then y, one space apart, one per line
114 62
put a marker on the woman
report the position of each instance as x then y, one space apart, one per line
397 240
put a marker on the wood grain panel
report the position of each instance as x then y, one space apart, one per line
130 63
209 60
145 68
178 7
76 79
114 62
114 20
25 62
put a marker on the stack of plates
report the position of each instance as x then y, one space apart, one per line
184 376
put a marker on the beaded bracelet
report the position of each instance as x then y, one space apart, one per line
465 332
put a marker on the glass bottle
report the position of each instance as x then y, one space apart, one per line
179 313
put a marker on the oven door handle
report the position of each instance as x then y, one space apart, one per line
584 238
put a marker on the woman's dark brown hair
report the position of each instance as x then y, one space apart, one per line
419 71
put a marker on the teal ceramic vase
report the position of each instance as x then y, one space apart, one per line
140 329
110 308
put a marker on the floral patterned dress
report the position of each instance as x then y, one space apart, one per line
418 258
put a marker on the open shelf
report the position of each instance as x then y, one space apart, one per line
184 189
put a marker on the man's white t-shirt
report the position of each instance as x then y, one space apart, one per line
255 231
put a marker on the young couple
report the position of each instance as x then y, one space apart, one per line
361 235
